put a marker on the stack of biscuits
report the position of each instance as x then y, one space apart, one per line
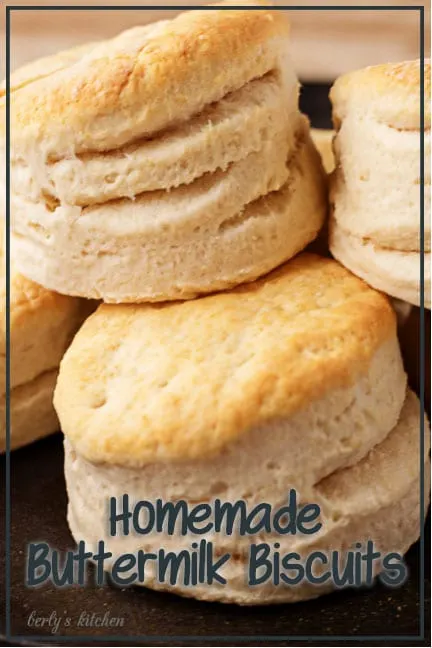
172 165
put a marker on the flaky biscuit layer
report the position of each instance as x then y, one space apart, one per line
145 80
227 131
267 350
394 272
223 229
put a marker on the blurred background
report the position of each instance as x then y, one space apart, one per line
325 43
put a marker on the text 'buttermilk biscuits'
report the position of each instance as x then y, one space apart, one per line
274 385
165 163
376 190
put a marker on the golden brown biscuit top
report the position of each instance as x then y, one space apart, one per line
390 92
44 67
169 382
145 79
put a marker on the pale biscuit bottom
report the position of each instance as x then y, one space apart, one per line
376 499
32 411
207 236
394 272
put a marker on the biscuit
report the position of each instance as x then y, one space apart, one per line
375 189
377 500
306 359
160 154
42 324
223 229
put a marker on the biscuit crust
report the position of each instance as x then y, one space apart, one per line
42 324
389 92
395 272
145 80
266 349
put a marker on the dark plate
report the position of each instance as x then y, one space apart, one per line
38 513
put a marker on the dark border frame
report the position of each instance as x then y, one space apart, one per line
230 638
